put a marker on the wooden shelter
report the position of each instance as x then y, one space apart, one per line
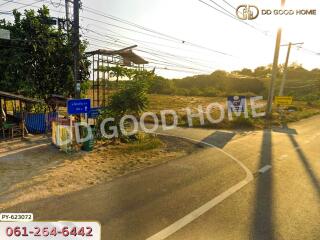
12 109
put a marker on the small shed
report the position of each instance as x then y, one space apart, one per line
12 113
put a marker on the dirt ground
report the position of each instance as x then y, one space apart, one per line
44 171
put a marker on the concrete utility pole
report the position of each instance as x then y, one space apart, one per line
285 69
67 15
274 73
76 47
274 70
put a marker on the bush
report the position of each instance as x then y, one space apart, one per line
131 100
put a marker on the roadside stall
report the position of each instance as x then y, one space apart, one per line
15 120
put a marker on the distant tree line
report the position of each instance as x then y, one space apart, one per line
301 83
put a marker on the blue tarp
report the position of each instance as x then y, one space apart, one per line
39 122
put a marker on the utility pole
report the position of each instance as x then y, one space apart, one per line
67 15
76 47
274 73
274 70
285 69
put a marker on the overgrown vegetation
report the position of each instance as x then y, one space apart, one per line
301 83
38 59
130 100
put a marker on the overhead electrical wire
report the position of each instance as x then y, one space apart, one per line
96 12
232 16
150 53
7 2
54 10
226 2
164 36
148 48
163 68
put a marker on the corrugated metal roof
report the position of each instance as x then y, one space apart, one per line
126 54
19 97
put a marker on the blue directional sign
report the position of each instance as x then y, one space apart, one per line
94 112
236 103
78 106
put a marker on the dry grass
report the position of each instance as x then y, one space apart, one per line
179 103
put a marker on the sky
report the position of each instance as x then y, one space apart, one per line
195 38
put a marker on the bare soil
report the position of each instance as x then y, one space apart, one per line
45 171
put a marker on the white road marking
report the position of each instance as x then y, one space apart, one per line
174 227
23 149
265 168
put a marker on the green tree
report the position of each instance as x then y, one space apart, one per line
38 59
131 100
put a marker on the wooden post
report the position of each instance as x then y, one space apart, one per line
23 125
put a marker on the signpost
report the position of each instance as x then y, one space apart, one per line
283 101
78 106
234 103
94 113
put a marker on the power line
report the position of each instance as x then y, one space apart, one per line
151 35
162 68
164 36
139 41
229 4
56 5
7 2
232 16
153 54
26 5
225 10
159 54
152 31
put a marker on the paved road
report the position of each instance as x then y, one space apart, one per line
254 185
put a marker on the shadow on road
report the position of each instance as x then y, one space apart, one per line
262 226
306 164
219 138
302 156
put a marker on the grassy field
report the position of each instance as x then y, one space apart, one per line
179 103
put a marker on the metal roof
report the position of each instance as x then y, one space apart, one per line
19 97
126 54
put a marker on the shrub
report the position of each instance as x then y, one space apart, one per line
131 100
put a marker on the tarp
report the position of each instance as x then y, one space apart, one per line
39 122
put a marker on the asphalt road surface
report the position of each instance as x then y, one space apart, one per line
260 185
